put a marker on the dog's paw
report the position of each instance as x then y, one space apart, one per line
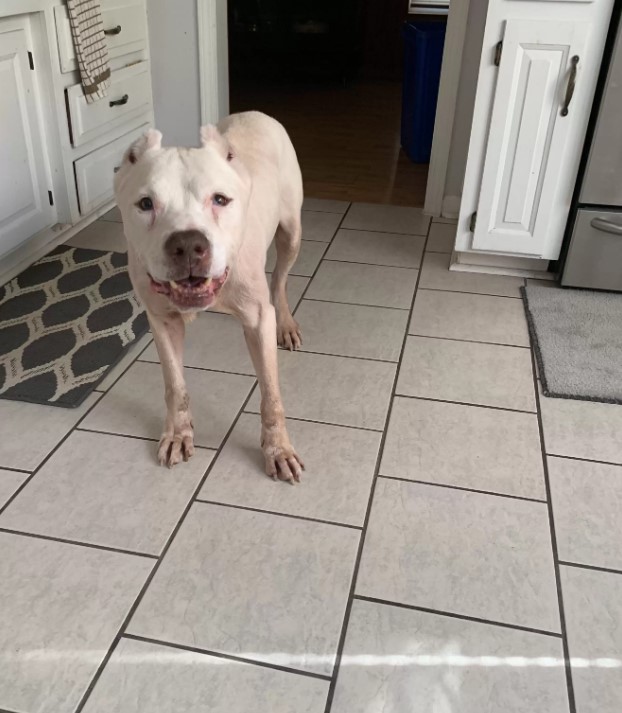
175 447
288 334
282 461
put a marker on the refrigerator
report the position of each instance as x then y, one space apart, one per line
594 255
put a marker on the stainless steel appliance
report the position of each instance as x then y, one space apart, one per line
594 257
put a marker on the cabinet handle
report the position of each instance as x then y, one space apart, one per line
572 80
113 30
606 226
120 102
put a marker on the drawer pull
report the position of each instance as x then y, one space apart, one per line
606 226
572 80
113 30
120 102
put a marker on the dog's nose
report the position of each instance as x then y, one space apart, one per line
186 246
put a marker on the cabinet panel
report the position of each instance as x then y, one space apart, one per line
126 28
95 171
129 96
24 202
528 140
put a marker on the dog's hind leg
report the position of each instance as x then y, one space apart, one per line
287 240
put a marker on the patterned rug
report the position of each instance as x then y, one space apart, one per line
64 323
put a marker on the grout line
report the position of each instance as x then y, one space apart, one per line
78 543
317 267
157 564
343 356
560 599
15 470
372 264
82 429
359 554
324 423
584 460
465 403
467 292
278 514
466 490
454 615
389 232
227 657
591 567
50 454
469 341
354 304
202 368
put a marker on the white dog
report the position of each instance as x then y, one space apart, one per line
198 224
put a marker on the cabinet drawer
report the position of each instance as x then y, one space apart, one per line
130 87
131 37
595 252
95 171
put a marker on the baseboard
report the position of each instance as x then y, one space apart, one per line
501 265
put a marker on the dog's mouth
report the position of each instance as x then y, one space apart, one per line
193 291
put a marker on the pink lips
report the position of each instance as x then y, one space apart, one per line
193 291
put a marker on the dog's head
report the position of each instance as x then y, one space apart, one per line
183 214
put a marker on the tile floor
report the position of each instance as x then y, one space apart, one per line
455 546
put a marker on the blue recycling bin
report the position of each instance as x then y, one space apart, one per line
423 56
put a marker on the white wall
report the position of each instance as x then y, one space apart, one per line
465 102
173 42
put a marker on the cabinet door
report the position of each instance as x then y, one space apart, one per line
24 202
532 149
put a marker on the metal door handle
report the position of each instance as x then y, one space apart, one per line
119 102
572 80
606 226
113 30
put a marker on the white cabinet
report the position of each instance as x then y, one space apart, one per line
25 205
538 74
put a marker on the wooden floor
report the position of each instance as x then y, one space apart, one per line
347 139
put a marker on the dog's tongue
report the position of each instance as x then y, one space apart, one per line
192 281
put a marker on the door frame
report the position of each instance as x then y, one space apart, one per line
213 60
446 106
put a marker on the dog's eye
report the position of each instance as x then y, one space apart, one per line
145 204
220 200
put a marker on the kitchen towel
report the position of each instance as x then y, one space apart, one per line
87 29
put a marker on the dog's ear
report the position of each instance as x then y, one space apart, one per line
149 141
210 136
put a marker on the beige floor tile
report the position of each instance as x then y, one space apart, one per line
134 351
134 406
61 607
106 490
587 501
464 446
308 259
31 431
332 389
391 249
363 284
485 374
582 429
352 330
420 663
442 237
477 318
114 214
141 676
276 587
101 235
593 607
466 553
386 218
10 481
319 226
339 467
435 275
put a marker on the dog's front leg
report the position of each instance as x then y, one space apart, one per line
282 461
177 441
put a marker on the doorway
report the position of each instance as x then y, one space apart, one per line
331 72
